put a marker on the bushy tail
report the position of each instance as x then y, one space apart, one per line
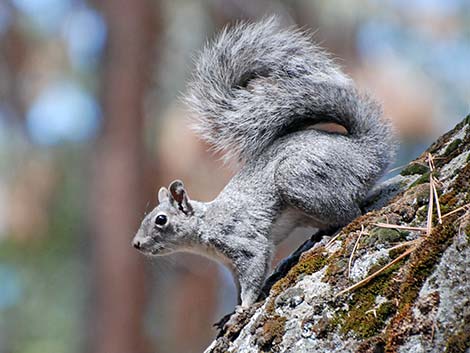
256 82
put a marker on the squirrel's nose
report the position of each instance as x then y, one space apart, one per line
136 244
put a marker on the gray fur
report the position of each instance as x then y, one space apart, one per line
258 90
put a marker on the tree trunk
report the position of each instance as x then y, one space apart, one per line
376 287
117 187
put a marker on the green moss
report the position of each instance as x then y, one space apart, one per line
387 235
386 310
364 317
414 168
309 263
422 179
404 234
452 147
427 255
425 178
448 202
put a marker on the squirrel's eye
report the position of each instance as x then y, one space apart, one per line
161 220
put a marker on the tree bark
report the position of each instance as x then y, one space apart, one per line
401 287
117 187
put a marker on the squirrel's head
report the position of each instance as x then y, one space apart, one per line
170 225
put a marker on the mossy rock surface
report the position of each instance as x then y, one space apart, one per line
421 303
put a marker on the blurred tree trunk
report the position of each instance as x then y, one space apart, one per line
14 49
117 189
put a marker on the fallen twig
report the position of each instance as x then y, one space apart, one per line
406 243
332 240
432 194
354 250
378 272
461 208
396 226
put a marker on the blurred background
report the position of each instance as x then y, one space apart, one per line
91 127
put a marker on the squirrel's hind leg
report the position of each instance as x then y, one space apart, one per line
320 193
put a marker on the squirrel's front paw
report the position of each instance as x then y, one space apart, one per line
240 309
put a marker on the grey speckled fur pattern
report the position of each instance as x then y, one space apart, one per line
257 91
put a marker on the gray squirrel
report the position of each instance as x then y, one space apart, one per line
308 144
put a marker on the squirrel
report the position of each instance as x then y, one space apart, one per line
308 144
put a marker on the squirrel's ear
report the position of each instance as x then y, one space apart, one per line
163 194
180 196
